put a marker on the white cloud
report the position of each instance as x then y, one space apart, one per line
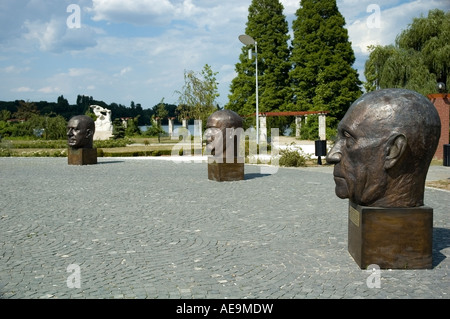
12 69
22 89
49 89
290 6
55 36
45 33
79 72
138 12
124 71
393 19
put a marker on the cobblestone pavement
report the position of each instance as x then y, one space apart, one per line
140 228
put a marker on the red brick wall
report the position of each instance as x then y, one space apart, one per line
442 104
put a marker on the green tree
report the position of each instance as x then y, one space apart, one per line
182 112
55 127
62 105
374 66
25 110
5 115
83 103
161 111
199 94
322 76
419 59
132 128
118 129
267 25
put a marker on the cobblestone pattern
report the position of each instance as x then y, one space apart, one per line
159 229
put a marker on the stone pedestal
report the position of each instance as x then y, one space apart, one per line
392 238
225 171
82 156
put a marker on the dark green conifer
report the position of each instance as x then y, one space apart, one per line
322 76
267 25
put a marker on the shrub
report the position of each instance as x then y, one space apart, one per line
121 142
4 152
292 157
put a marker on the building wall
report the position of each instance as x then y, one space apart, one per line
442 104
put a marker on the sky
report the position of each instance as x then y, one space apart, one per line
138 50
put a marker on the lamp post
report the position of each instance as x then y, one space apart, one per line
248 40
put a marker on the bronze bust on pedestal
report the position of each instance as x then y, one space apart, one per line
222 143
385 144
80 135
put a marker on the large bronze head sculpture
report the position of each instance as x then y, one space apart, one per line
220 132
385 144
80 132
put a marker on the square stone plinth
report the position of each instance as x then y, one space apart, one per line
392 238
82 156
226 171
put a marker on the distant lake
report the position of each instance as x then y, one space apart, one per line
191 129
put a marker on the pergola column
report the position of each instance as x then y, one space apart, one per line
322 126
298 125
262 129
184 123
170 128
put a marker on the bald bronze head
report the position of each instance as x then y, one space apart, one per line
219 131
80 132
385 144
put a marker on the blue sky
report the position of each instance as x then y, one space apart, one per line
122 51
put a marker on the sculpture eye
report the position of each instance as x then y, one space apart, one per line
349 139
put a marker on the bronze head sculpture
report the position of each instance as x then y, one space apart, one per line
385 144
219 132
80 132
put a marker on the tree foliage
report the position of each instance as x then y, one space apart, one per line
49 127
25 110
197 98
267 25
161 111
118 129
314 74
419 59
322 77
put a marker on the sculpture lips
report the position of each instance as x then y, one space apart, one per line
336 173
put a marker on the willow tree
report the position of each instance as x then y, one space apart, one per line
197 99
267 25
419 59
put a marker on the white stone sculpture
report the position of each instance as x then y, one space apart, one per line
103 123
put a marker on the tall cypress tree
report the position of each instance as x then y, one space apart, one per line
322 76
267 25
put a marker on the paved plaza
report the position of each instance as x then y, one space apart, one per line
158 229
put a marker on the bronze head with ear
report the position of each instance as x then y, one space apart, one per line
385 144
80 132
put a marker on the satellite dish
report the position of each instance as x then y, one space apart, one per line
246 39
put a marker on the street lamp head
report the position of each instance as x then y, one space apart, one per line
246 39
441 87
